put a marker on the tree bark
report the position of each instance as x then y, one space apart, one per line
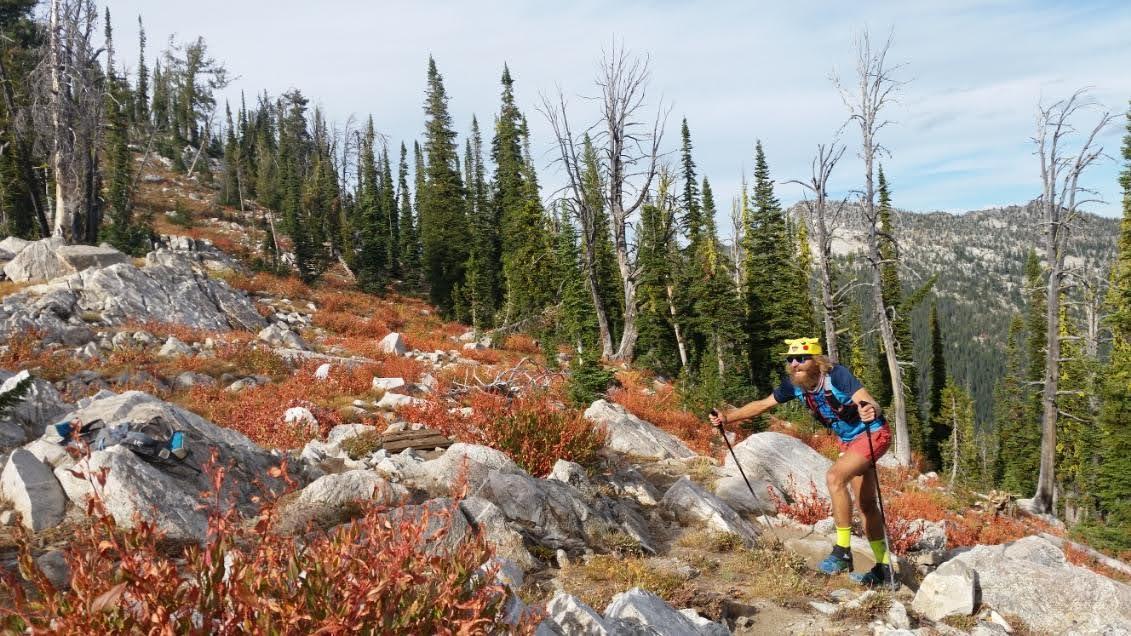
680 344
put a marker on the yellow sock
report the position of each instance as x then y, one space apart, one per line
844 537
880 550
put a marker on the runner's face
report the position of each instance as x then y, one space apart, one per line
802 370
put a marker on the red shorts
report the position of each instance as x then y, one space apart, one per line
881 441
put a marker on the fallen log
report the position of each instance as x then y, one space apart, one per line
423 439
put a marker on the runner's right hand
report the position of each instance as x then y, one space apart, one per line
717 418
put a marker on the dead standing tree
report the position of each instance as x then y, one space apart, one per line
821 219
1060 204
74 93
630 149
875 90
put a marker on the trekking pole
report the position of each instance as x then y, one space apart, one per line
880 500
723 433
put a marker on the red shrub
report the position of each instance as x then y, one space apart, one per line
529 429
803 508
382 573
484 356
916 504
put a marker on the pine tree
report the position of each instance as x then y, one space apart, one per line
390 223
123 232
141 93
1077 440
576 324
1114 478
1020 435
607 272
229 182
960 461
938 381
370 261
766 264
481 291
443 216
657 257
525 244
899 308
692 213
409 239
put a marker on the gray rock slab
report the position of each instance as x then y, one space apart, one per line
692 504
631 435
783 461
1031 579
33 491
355 485
641 609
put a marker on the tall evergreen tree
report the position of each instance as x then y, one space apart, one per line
692 213
938 382
141 93
960 460
443 215
481 291
1076 432
409 238
608 280
1019 434
525 243
123 232
899 308
371 259
767 263
660 337
1114 478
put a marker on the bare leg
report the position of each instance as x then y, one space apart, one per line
865 488
847 467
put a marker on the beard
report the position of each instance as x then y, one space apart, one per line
805 379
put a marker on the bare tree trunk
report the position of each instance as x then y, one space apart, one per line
875 89
1060 176
680 344
64 220
818 222
630 152
23 154
954 438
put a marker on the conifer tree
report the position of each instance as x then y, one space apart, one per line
660 339
387 196
443 216
899 309
370 262
525 244
576 324
607 273
481 291
938 382
1019 433
692 214
124 232
409 239
1076 432
229 182
766 264
141 93
960 461
1114 478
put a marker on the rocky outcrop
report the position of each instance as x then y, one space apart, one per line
33 491
1030 579
167 289
51 258
167 493
631 435
693 505
642 611
785 462
42 405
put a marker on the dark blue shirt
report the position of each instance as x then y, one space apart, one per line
840 413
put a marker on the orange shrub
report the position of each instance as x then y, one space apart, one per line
383 573
917 504
985 528
290 287
529 429
521 343
26 351
485 356
428 341
662 409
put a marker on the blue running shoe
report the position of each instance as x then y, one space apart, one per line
878 576
839 561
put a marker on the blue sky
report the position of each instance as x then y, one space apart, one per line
739 71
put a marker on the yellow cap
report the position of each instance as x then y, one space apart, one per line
803 346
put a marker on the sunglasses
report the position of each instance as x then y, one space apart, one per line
799 359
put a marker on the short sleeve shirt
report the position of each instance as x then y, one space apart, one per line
839 413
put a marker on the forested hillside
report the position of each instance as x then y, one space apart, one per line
979 258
